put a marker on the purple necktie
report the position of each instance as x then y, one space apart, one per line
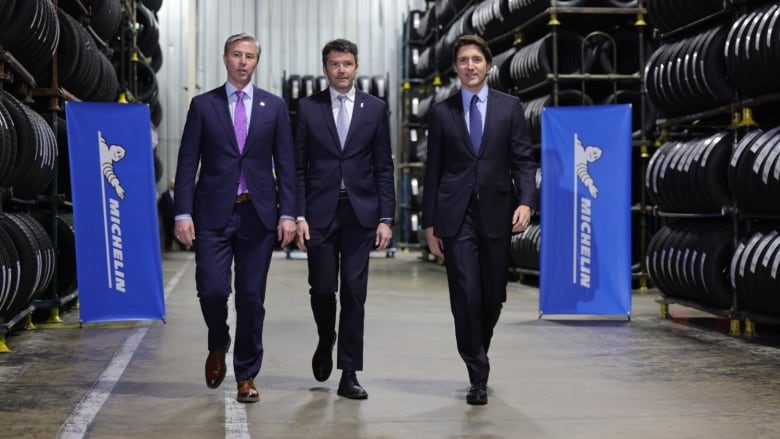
240 127
475 123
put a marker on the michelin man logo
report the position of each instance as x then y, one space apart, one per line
583 157
108 155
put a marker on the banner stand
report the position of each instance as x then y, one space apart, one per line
585 255
118 257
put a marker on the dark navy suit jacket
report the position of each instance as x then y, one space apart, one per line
208 139
365 163
504 168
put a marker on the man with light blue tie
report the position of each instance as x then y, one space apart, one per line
479 189
234 196
346 204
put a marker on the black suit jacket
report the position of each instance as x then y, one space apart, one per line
365 163
504 168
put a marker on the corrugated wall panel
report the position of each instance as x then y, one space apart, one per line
291 33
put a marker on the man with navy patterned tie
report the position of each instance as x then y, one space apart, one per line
479 189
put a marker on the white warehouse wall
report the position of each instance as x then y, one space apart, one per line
291 34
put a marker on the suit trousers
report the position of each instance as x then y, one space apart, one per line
341 250
477 273
245 246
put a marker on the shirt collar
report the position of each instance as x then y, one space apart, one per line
231 90
334 94
466 96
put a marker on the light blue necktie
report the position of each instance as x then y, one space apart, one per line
342 123
475 123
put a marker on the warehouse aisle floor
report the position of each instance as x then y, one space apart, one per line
551 378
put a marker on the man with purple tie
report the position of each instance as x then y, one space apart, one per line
346 204
234 196
479 189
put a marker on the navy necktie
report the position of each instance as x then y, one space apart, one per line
475 123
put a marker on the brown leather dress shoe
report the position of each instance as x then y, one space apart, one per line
247 391
215 367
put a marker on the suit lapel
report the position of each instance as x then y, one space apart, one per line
327 114
222 110
358 112
455 103
259 107
492 103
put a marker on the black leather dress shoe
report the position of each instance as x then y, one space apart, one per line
350 388
477 394
322 361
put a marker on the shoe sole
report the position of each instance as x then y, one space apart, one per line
248 399
357 397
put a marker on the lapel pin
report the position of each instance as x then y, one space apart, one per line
361 105
262 103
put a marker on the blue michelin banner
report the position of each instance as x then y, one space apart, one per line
585 265
115 213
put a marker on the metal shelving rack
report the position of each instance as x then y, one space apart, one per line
527 31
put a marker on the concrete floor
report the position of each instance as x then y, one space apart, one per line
551 378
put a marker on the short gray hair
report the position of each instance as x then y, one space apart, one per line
241 37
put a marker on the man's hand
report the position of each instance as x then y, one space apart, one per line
521 218
383 236
434 243
302 234
185 232
285 231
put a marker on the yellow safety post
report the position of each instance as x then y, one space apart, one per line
664 312
54 316
406 86
640 20
734 329
750 329
122 98
642 285
437 80
747 118
28 322
3 346
553 20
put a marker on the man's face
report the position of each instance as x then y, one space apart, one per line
341 69
471 67
241 61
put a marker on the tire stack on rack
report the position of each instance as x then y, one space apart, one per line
55 51
715 176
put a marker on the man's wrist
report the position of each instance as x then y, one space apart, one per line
387 221
300 219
